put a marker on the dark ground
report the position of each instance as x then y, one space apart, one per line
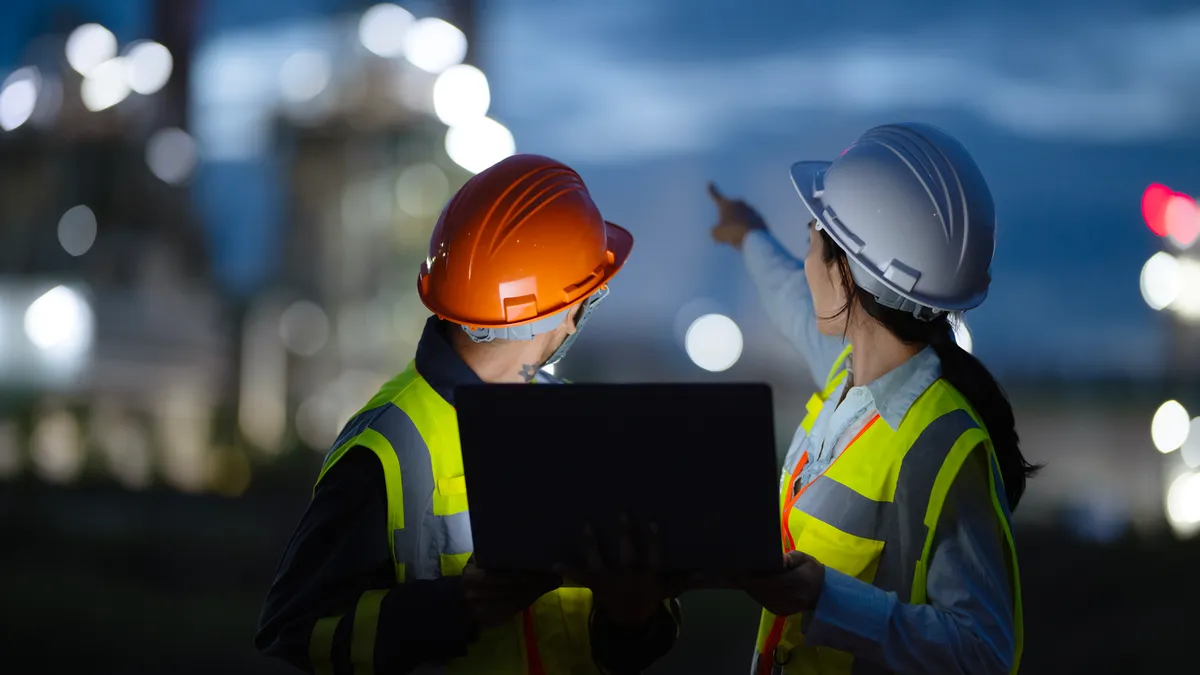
94 579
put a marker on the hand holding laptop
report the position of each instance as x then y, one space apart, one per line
631 588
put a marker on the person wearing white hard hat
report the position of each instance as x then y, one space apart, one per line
897 490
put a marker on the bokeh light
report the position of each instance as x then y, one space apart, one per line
1170 426
18 98
383 29
714 342
461 95
1160 280
434 45
88 46
148 66
77 230
477 145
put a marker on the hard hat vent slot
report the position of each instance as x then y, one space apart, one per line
902 275
520 308
574 288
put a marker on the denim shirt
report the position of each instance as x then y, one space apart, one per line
967 625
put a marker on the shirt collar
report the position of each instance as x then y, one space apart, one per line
895 392
438 363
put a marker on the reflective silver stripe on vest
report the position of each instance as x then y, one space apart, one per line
905 525
835 504
424 535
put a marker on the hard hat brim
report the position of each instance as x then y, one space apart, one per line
809 178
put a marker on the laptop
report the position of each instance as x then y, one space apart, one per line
696 459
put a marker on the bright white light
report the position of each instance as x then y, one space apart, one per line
88 46
1183 500
1190 451
434 45
1187 303
962 335
149 66
383 28
1170 426
714 342
461 95
304 328
304 75
1160 280
60 323
477 145
171 155
105 85
422 190
550 368
18 98
77 230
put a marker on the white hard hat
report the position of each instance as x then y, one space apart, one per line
913 213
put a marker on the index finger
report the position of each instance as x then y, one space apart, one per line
716 194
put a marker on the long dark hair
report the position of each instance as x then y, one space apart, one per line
962 370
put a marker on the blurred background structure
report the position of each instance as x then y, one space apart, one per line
212 214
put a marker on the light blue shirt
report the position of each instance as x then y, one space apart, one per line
967 625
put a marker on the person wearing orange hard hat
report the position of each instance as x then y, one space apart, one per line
378 576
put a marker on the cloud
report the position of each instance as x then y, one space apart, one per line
597 95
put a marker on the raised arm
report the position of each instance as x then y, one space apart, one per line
779 278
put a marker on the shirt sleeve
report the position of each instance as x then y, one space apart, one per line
967 627
783 289
335 588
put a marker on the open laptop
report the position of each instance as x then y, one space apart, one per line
697 459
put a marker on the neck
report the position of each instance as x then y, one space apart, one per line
496 363
876 352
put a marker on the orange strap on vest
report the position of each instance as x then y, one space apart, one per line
767 658
531 649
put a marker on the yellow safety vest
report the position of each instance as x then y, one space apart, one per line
426 545
873 512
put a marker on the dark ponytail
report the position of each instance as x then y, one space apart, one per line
962 370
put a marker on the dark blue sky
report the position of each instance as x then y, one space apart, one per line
1070 111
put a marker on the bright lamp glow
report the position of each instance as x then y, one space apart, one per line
714 342
1160 280
461 95
1183 500
148 67
18 98
383 28
479 144
434 45
59 323
88 46
1170 426
106 85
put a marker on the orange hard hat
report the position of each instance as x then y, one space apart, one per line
519 242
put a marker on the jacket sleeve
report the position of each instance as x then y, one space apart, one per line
618 650
335 605
967 627
785 296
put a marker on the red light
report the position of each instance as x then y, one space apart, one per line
1182 219
1154 207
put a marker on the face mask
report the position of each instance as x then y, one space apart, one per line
589 306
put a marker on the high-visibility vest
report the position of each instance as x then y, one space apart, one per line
872 515
550 637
